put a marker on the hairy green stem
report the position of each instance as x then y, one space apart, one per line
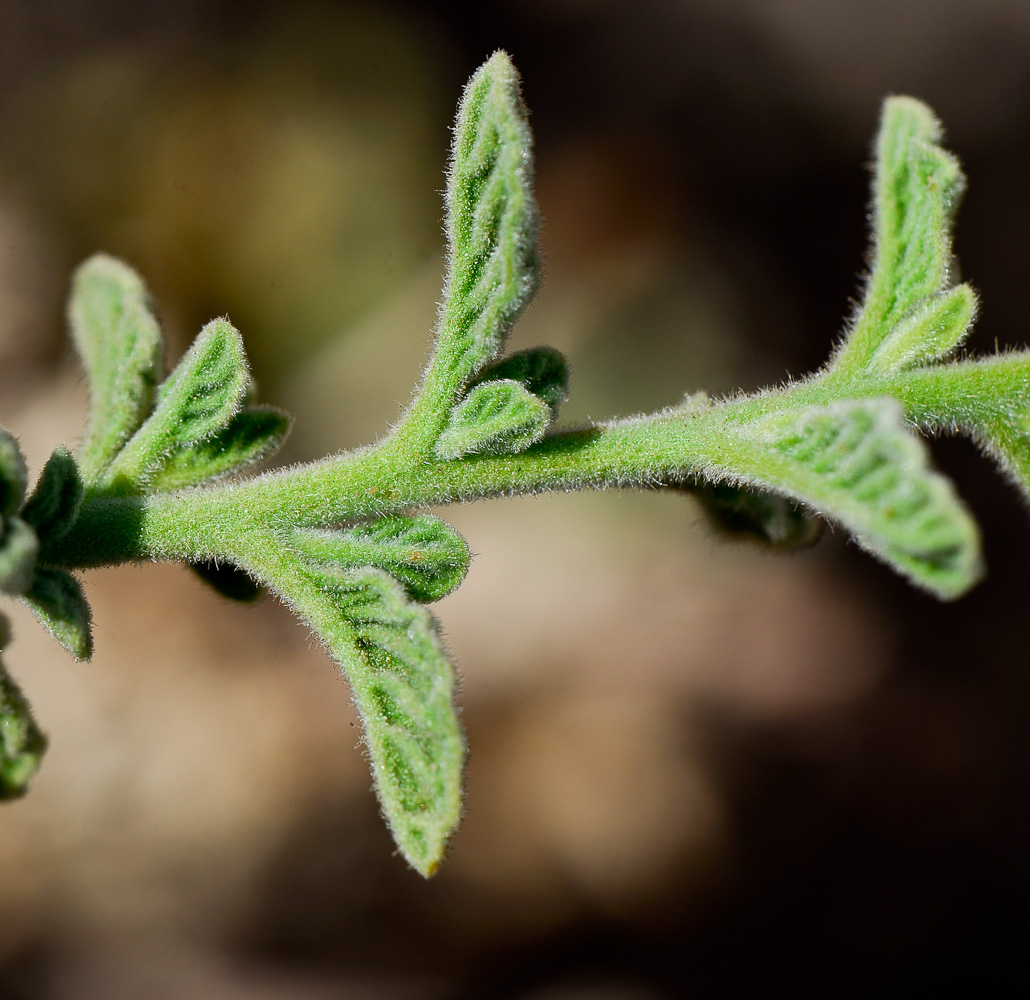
209 522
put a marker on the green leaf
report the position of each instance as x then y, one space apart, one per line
19 543
986 398
22 744
197 401
492 222
403 685
542 370
19 550
424 553
931 333
14 475
915 191
254 434
19 546
57 600
757 514
495 418
857 463
54 503
119 342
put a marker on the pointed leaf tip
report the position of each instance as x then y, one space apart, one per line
57 600
492 221
54 503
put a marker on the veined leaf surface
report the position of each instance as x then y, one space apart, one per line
857 463
492 221
423 552
120 344
199 399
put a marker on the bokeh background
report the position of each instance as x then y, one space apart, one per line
697 769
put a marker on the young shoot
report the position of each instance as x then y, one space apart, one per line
348 542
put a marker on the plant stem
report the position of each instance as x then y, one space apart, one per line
666 447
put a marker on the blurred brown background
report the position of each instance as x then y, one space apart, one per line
697 769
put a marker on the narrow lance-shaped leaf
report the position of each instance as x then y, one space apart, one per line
492 225
915 190
119 342
403 685
55 501
855 462
496 418
254 434
57 600
199 399
424 553
22 744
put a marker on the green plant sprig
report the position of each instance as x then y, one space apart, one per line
347 542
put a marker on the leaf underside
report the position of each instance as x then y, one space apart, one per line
403 685
856 462
57 600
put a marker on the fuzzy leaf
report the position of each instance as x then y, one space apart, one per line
22 744
542 370
19 550
931 333
403 685
492 221
857 463
19 546
495 418
13 474
197 401
120 345
57 600
424 553
915 191
987 398
54 503
757 514
254 434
